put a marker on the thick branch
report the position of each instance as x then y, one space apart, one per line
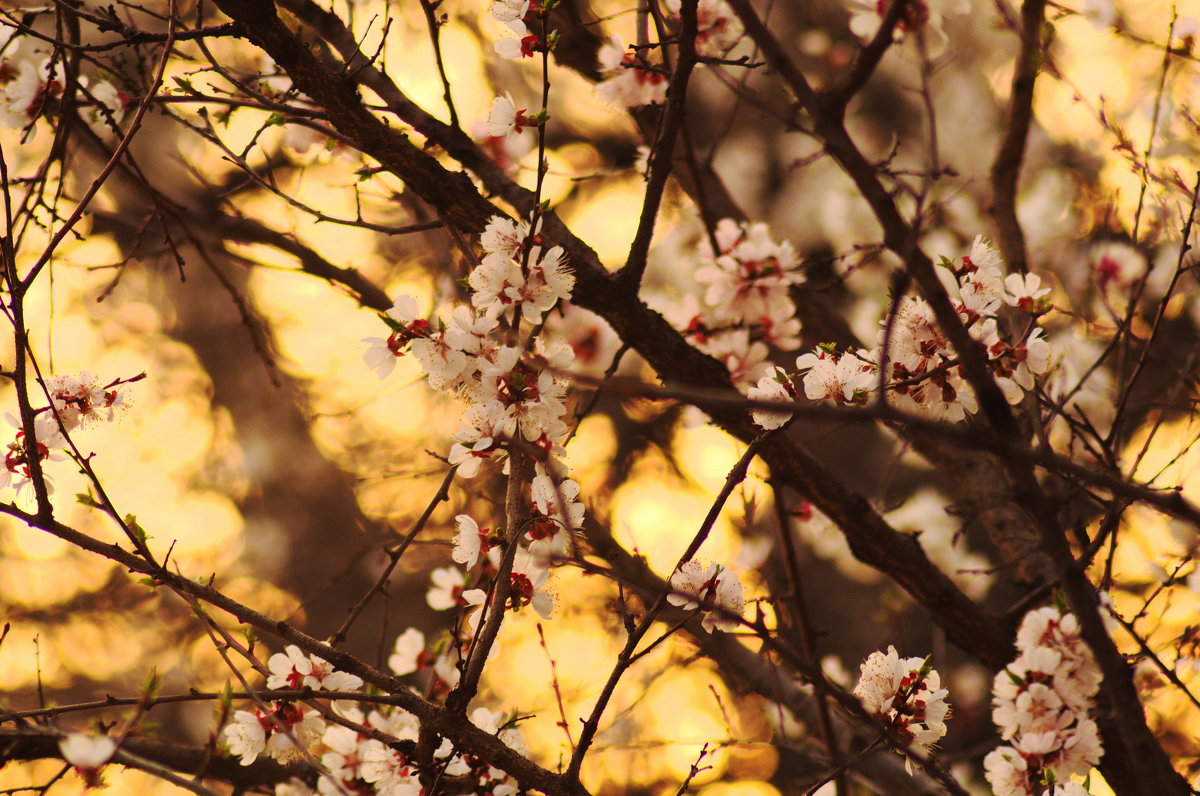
451 194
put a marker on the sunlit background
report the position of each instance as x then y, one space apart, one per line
81 627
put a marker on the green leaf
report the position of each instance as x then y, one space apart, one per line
87 499
151 684
138 531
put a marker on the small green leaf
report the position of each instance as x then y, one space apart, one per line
86 499
151 684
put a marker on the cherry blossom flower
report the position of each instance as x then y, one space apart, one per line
496 284
1116 265
504 237
388 771
16 471
406 326
1024 292
629 79
529 585
524 396
408 654
469 459
512 13
109 105
845 378
718 29
745 359
751 275
509 10
443 364
470 541
297 787
81 401
905 694
548 282
445 666
27 96
714 590
776 387
344 758
87 753
922 20
245 737
558 503
505 119
469 332
447 590
283 733
293 669
1040 703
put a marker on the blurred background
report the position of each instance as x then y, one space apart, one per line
261 451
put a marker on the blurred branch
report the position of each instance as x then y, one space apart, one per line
1006 170
659 162
36 743
435 718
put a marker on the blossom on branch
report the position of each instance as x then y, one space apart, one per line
775 387
713 590
1041 704
630 79
906 696
284 732
87 753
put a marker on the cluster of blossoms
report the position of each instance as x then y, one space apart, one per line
923 374
635 76
516 15
31 85
26 91
631 78
355 762
714 590
718 29
285 730
513 396
76 402
920 21
747 302
1040 703
906 696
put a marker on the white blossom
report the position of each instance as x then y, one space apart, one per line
714 590
407 652
905 694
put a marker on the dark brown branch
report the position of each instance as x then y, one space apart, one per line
664 148
1006 170
451 194
826 110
